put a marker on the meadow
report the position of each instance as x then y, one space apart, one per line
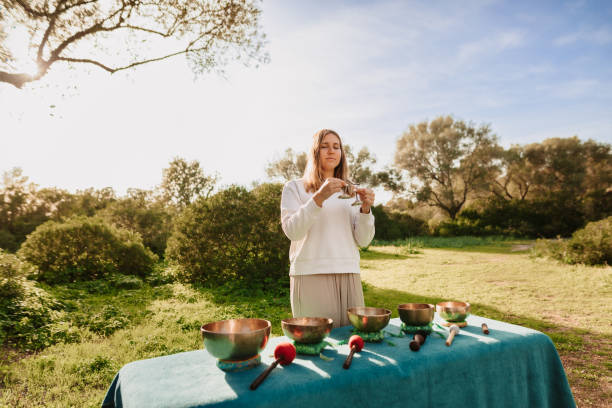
499 277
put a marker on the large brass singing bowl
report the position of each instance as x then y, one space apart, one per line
307 329
236 339
368 319
416 314
453 311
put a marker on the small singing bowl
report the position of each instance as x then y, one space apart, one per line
307 329
368 319
453 311
416 314
236 339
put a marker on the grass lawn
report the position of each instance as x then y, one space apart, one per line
569 303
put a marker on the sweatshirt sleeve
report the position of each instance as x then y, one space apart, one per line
297 218
363 228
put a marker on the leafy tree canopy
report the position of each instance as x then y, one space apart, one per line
566 166
183 182
449 160
116 35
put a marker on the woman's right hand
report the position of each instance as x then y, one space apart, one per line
329 187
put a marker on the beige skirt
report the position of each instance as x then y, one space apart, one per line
326 295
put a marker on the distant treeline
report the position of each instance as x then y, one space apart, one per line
453 178
448 178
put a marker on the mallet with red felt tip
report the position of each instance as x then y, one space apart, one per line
356 345
284 354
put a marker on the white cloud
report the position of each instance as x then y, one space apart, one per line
601 36
575 88
491 45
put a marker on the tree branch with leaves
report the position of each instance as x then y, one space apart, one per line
117 35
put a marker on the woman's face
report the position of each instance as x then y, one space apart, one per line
330 152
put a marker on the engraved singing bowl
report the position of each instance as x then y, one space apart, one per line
453 311
368 319
416 314
236 339
307 329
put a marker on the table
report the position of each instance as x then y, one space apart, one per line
511 367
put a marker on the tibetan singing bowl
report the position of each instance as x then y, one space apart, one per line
453 311
368 319
236 339
307 329
416 314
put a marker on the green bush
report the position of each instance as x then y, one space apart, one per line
591 245
391 225
125 282
85 249
233 235
8 242
30 318
545 217
107 321
140 214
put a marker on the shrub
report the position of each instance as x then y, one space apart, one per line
30 318
85 249
8 241
139 214
107 321
549 216
125 282
390 225
591 245
232 235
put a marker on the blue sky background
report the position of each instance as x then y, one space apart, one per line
532 70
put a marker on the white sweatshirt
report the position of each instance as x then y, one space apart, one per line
323 240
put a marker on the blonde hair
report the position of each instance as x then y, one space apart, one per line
313 174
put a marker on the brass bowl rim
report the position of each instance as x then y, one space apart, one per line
453 304
352 310
404 306
323 321
204 328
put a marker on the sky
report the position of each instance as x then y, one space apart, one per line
367 69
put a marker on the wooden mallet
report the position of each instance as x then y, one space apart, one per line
417 341
356 345
284 354
453 330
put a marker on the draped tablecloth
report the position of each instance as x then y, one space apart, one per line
513 366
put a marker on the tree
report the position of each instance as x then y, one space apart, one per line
292 165
21 210
184 182
557 166
449 160
516 176
289 167
116 35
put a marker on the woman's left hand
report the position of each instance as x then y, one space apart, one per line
367 197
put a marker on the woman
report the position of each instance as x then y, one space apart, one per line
325 232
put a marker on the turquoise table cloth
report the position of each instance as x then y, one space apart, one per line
513 366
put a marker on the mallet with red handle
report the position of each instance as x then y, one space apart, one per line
356 345
284 354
